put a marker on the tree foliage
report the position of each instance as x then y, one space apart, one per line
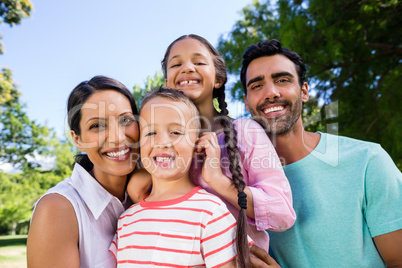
20 136
19 192
352 49
150 84
12 11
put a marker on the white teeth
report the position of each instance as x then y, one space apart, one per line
273 109
118 154
163 159
190 82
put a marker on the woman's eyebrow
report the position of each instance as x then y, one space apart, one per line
128 113
96 118
104 119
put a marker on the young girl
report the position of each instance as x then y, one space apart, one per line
74 223
250 165
178 224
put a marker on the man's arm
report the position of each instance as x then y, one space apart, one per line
389 246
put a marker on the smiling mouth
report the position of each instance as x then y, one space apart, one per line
273 109
163 159
118 154
189 82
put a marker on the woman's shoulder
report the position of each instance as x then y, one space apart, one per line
63 190
54 226
53 202
60 197
54 211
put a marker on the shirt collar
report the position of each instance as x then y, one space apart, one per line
93 194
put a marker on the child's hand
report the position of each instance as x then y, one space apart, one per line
208 143
261 258
139 184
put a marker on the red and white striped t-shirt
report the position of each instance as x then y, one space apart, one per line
195 230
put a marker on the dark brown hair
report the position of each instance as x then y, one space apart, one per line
80 95
230 141
271 48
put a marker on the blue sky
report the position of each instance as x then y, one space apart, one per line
66 42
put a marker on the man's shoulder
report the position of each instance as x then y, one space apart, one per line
352 143
353 150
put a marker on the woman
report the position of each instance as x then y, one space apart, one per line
74 223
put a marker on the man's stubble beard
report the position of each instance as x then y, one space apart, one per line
282 125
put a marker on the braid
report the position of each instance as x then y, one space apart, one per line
243 252
237 178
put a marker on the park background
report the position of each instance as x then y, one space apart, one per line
352 49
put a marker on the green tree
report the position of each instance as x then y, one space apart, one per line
352 50
19 135
14 201
12 11
64 152
19 192
150 84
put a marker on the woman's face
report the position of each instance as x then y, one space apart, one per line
109 134
190 68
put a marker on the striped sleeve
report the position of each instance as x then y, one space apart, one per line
113 246
218 238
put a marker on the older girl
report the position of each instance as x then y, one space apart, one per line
251 181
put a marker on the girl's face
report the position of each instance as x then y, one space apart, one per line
168 135
190 68
109 134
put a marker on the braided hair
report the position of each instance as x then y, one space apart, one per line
230 142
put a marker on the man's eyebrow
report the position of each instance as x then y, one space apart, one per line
276 75
255 79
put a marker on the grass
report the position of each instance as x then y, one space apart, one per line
13 251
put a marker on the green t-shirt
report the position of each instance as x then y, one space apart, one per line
344 193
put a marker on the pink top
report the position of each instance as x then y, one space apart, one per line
263 174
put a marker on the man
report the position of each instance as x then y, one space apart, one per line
346 192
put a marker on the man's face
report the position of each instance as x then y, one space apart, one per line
274 97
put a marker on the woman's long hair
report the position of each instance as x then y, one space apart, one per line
80 95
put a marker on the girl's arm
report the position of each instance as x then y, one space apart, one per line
261 259
139 185
213 175
53 234
265 177
269 197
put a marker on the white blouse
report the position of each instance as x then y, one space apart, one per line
97 213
